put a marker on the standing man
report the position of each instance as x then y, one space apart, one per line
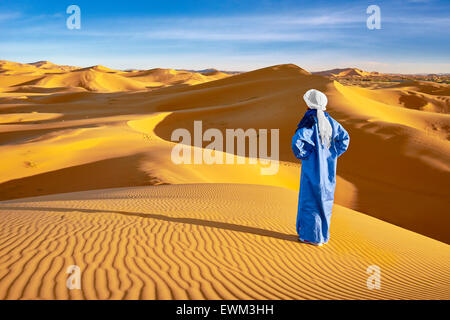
318 141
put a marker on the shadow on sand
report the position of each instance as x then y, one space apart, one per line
192 221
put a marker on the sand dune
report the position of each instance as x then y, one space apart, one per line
11 68
100 68
426 83
345 72
52 67
39 67
392 147
44 74
432 98
98 128
167 77
210 241
28 117
91 80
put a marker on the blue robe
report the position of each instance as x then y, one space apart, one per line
318 175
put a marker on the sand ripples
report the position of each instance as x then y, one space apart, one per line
211 241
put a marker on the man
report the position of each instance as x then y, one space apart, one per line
318 141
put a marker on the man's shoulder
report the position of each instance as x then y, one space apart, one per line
307 121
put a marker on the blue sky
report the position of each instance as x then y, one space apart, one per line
230 34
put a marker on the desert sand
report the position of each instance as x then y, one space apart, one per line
205 241
91 147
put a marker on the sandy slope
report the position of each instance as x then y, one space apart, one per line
208 241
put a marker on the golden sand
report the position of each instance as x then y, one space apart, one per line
206 241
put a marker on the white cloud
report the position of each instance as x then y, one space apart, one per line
9 16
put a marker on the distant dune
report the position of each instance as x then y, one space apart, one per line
345 72
91 79
39 67
44 74
358 77
215 231
165 77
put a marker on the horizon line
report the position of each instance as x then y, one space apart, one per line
230 70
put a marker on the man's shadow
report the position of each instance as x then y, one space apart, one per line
192 221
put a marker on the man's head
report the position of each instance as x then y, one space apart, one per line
315 99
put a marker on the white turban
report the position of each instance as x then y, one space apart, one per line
318 100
